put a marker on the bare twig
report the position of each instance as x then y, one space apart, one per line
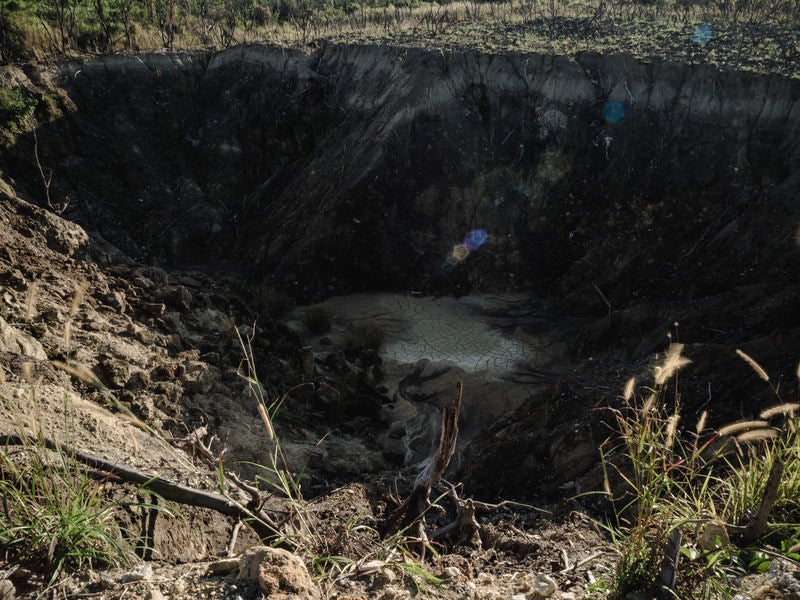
583 561
46 178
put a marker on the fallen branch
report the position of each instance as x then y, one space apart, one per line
251 514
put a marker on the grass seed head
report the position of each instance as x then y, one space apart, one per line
742 426
672 363
756 435
788 408
627 394
753 365
701 422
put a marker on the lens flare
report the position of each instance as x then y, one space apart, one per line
472 241
614 111
475 239
702 34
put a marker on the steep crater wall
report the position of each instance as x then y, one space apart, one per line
357 168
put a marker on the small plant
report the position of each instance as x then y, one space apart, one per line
54 516
276 475
16 107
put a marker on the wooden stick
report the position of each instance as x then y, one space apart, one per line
174 492
412 511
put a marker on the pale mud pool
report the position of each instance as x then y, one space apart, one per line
478 333
501 346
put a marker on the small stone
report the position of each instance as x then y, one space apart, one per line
140 573
198 377
18 342
715 535
519 597
544 586
568 596
106 580
223 567
114 372
138 381
451 572
154 309
386 576
279 573
484 578
153 593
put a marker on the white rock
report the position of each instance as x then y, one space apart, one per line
140 573
544 586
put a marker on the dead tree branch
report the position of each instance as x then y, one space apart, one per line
411 513
251 513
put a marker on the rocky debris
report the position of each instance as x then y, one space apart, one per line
780 582
139 573
18 342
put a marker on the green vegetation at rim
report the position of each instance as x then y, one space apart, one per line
15 108
760 35
694 507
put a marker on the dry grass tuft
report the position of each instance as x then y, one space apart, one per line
758 434
741 426
672 363
753 365
788 408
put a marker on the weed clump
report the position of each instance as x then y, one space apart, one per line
697 507
55 517
16 107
